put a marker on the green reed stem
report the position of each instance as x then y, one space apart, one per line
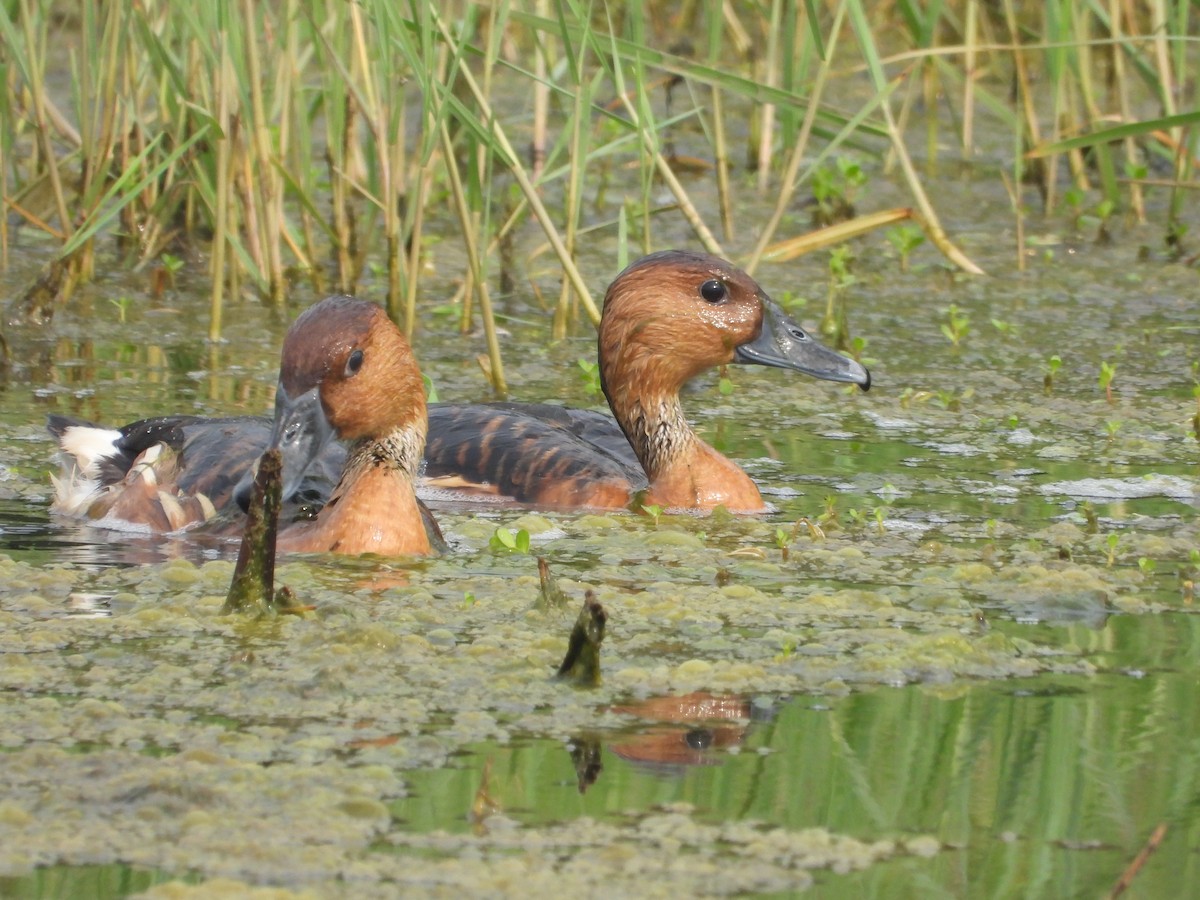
510 159
221 223
496 370
936 232
790 180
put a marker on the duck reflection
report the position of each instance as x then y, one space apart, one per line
684 730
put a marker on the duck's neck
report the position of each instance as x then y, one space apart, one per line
683 471
374 508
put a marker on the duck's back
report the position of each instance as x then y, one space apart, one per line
181 456
533 453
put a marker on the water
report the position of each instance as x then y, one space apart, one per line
979 680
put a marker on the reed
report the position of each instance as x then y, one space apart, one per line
306 138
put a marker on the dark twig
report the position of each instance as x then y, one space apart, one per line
253 587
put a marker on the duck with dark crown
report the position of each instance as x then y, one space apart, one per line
667 317
346 373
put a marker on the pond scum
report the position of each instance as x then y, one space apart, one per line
348 145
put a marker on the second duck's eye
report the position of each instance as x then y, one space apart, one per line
713 291
354 363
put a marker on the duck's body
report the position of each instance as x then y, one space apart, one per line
535 453
171 472
346 373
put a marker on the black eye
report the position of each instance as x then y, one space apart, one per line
713 291
354 363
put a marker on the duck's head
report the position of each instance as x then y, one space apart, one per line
347 372
671 315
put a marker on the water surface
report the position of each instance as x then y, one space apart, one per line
973 674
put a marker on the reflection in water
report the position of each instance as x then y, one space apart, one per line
685 730
688 730
88 605
29 533
1015 780
585 754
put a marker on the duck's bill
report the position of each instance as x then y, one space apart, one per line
785 344
300 432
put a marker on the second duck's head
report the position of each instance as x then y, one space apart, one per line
673 314
346 372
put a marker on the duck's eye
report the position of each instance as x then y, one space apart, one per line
798 333
713 291
354 363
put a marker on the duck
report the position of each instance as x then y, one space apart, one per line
666 318
350 397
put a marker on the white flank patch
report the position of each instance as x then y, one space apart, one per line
88 446
82 448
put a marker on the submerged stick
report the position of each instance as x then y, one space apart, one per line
550 595
253 587
582 662
586 756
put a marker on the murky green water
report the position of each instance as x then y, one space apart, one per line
980 681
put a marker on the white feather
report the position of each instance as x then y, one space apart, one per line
83 447
88 445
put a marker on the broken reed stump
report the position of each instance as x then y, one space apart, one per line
252 590
582 662
550 595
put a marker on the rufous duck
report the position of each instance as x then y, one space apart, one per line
346 373
667 318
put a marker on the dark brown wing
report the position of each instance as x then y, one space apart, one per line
534 453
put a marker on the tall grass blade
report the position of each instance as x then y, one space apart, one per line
937 234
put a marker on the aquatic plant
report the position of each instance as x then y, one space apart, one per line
1053 364
834 189
122 305
1111 542
906 239
957 324
1108 371
834 323
589 370
505 540
783 539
